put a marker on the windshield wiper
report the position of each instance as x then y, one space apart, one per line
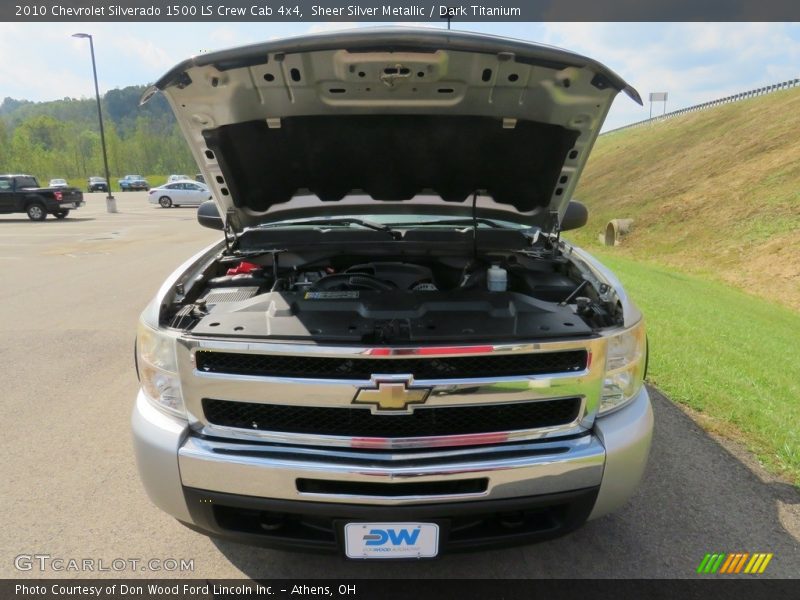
465 221
335 221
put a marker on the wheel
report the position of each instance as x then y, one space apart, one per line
165 201
36 212
62 214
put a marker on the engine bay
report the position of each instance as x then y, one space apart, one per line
378 293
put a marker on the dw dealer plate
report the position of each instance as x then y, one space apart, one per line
391 540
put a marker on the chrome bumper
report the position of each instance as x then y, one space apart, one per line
613 456
542 468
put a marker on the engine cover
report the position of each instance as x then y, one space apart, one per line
375 317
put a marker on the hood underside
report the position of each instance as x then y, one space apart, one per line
388 115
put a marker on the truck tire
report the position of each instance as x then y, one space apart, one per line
36 211
165 201
61 214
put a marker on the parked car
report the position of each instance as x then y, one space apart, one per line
181 193
174 178
131 183
199 177
58 183
97 184
22 194
392 351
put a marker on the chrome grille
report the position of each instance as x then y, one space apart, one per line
422 422
432 367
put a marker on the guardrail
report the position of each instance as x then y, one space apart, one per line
727 100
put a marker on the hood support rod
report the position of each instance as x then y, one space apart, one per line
475 225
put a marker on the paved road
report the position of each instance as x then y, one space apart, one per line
71 292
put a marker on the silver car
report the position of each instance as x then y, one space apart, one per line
391 351
179 193
174 178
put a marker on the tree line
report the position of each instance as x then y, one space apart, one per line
61 138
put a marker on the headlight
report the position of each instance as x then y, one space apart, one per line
625 361
158 370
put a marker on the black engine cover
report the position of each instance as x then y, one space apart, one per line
376 317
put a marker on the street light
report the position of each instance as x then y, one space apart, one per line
111 203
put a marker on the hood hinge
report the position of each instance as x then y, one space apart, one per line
554 229
230 230
553 223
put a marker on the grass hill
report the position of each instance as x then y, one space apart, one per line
715 198
716 192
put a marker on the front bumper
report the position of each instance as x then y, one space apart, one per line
318 527
253 491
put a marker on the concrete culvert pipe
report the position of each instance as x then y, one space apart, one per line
616 230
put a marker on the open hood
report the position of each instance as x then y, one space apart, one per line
391 120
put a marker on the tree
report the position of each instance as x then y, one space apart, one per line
4 141
61 138
44 132
87 151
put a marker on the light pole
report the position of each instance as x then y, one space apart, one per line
111 203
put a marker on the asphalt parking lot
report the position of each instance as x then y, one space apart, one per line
71 293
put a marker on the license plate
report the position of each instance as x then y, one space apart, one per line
391 540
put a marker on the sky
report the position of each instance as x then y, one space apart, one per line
693 62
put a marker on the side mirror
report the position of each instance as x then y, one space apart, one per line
575 217
208 216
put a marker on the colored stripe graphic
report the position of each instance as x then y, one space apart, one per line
734 563
711 562
754 563
727 564
703 563
741 562
734 558
715 567
764 564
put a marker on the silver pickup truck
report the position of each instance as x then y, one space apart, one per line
391 352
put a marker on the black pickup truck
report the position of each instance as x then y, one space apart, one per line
21 193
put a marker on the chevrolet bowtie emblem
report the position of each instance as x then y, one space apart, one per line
392 396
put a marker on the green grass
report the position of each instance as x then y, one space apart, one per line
724 353
715 198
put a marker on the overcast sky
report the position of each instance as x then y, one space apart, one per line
694 62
